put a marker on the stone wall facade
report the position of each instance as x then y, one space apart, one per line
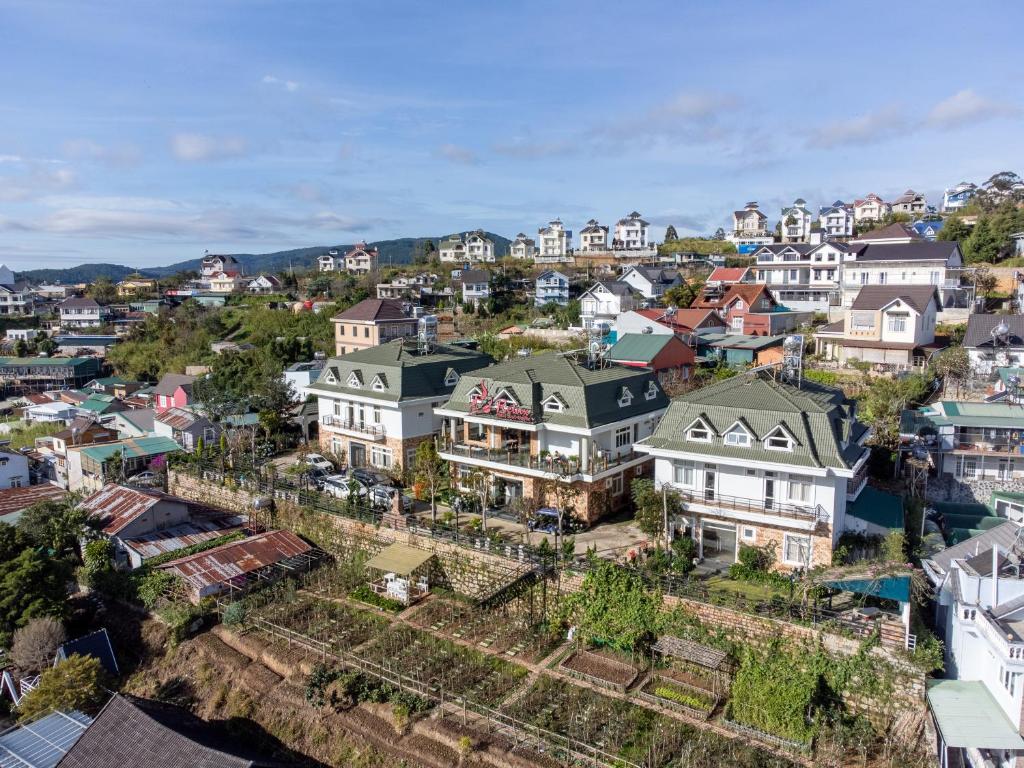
945 487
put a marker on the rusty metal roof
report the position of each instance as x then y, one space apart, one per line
178 418
185 535
14 500
238 558
117 505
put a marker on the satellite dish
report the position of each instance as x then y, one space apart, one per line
1001 331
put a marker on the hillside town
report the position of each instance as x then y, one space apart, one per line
436 507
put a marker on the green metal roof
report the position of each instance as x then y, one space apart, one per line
133 448
638 347
591 395
740 341
878 507
968 716
404 372
1006 373
978 414
818 417
74 362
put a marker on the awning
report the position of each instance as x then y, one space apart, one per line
968 716
400 559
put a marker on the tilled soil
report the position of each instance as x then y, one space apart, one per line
615 672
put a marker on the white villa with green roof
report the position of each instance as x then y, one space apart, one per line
530 422
763 463
377 404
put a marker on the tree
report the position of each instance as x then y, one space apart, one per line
77 683
432 471
653 507
954 230
35 645
613 607
719 234
953 365
480 483
46 346
98 562
883 403
103 291
57 525
32 585
670 233
20 348
982 279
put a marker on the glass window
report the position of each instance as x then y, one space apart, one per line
737 436
341 330
684 473
622 437
617 485
380 457
799 489
476 431
897 323
863 321
796 549
699 432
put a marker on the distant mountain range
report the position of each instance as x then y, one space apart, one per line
392 252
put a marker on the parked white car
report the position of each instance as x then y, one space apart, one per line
338 487
317 461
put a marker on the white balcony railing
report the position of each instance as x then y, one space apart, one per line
372 431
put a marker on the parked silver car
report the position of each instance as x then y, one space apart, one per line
341 487
382 496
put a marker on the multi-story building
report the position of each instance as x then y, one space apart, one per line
764 463
81 312
796 222
213 265
836 220
976 448
631 233
21 375
910 202
651 282
479 247
602 303
522 247
939 264
749 229
994 341
956 198
551 287
369 323
525 427
799 275
15 295
361 260
593 238
452 249
91 467
332 261
870 208
376 405
227 282
476 286
979 612
554 243
892 325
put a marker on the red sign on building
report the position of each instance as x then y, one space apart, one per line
482 402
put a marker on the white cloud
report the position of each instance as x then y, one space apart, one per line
199 148
289 85
869 128
694 116
457 154
117 155
965 107
531 150
36 183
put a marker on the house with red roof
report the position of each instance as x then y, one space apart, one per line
667 322
371 322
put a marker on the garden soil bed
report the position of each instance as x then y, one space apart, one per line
600 669
649 693
688 678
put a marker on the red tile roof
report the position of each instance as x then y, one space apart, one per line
727 274
684 320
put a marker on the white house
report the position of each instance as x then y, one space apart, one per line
227 282
476 286
554 243
522 247
81 312
631 233
479 247
979 612
298 376
796 222
593 238
361 260
836 220
452 249
213 265
886 324
956 198
765 463
918 262
264 284
602 303
651 282
910 202
15 295
994 341
332 261
800 276
551 287
13 468
376 404
749 229
869 208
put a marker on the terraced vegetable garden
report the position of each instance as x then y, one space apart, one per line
340 626
443 664
601 669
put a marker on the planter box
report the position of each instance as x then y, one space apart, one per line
768 738
626 678
647 693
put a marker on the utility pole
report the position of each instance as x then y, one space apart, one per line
664 515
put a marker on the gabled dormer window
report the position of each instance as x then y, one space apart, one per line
329 377
652 391
699 432
779 440
625 397
474 392
738 435
451 378
354 380
506 395
553 404
378 384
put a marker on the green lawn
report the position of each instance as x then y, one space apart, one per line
723 584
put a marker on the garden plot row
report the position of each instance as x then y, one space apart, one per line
633 732
339 627
507 634
444 665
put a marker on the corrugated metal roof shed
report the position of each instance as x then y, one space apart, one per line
968 716
185 535
117 505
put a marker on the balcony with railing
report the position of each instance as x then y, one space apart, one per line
721 503
980 440
350 426
523 459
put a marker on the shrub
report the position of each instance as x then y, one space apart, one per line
153 586
684 550
76 683
774 692
234 614
364 594
35 644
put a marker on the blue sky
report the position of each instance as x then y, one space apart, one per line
145 132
